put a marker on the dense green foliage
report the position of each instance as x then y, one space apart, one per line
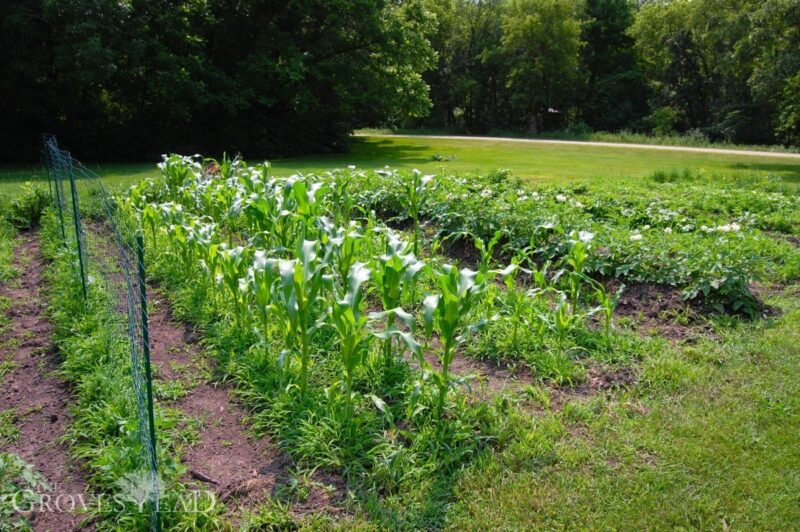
721 70
342 339
127 79
133 79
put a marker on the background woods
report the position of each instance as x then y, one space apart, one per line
140 77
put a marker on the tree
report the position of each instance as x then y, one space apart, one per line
137 78
771 48
467 86
616 92
542 40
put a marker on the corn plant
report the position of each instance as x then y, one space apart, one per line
607 304
232 275
562 320
515 301
201 237
341 198
486 250
262 277
179 238
578 246
304 198
176 171
302 283
414 187
445 313
351 324
342 246
395 273
150 218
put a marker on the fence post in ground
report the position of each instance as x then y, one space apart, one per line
58 180
147 369
47 166
76 216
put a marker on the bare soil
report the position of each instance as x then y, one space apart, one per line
39 398
241 469
661 309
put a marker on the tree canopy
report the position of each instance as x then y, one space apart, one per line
139 77
725 69
133 78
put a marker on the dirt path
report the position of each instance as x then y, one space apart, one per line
38 398
242 470
719 151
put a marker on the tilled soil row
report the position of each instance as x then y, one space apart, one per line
242 470
38 397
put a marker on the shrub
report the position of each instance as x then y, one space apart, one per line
27 207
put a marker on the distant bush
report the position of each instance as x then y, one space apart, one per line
27 207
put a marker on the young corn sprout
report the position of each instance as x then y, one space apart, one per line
579 244
561 321
445 313
396 272
301 295
486 249
516 302
414 185
351 324
262 276
607 304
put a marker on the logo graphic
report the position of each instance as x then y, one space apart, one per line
140 488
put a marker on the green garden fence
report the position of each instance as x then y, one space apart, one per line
108 257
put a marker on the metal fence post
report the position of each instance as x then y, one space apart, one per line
77 218
46 164
147 369
58 179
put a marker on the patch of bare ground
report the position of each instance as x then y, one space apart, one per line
41 401
792 239
763 292
488 378
661 309
242 470
485 378
599 379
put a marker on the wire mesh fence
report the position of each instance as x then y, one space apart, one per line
106 248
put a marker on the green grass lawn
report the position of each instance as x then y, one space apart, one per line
537 161
707 439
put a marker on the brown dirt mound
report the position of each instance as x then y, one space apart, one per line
38 397
661 309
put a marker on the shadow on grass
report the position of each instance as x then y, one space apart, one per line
789 171
367 153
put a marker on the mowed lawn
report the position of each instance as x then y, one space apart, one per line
556 162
